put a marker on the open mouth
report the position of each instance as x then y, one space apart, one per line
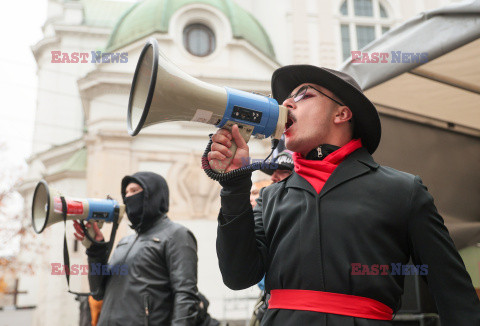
290 121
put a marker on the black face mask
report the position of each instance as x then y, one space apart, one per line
134 208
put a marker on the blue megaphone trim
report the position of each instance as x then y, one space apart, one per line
255 110
102 209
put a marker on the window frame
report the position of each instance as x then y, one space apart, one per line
189 28
353 21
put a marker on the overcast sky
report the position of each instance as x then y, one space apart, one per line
20 26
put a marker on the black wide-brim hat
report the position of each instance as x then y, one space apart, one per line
365 115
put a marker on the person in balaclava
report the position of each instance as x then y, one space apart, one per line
152 275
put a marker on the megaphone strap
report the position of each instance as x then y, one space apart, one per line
66 256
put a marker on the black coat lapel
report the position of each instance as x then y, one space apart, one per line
356 164
297 181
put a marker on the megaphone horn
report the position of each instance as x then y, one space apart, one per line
161 92
48 208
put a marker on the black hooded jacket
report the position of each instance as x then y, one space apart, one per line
153 274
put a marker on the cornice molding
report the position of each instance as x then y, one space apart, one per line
65 175
82 29
44 44
57 152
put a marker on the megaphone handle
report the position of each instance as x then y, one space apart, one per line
224 164
91 232
245 132
88 235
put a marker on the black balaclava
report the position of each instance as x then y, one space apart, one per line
146 207
134 208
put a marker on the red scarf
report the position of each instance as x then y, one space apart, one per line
318 172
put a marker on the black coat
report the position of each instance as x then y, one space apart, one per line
365 214
159 286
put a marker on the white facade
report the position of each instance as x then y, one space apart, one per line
84 105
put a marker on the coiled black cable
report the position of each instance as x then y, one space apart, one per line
235 173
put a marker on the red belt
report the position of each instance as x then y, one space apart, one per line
330 303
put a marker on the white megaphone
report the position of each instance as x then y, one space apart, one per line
50 207
161 92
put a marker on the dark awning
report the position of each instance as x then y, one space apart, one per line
430 111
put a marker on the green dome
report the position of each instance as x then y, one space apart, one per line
94 12
150 16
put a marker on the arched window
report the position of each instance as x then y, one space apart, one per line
199 40
362 21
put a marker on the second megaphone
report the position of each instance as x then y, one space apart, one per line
48 207
161 92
